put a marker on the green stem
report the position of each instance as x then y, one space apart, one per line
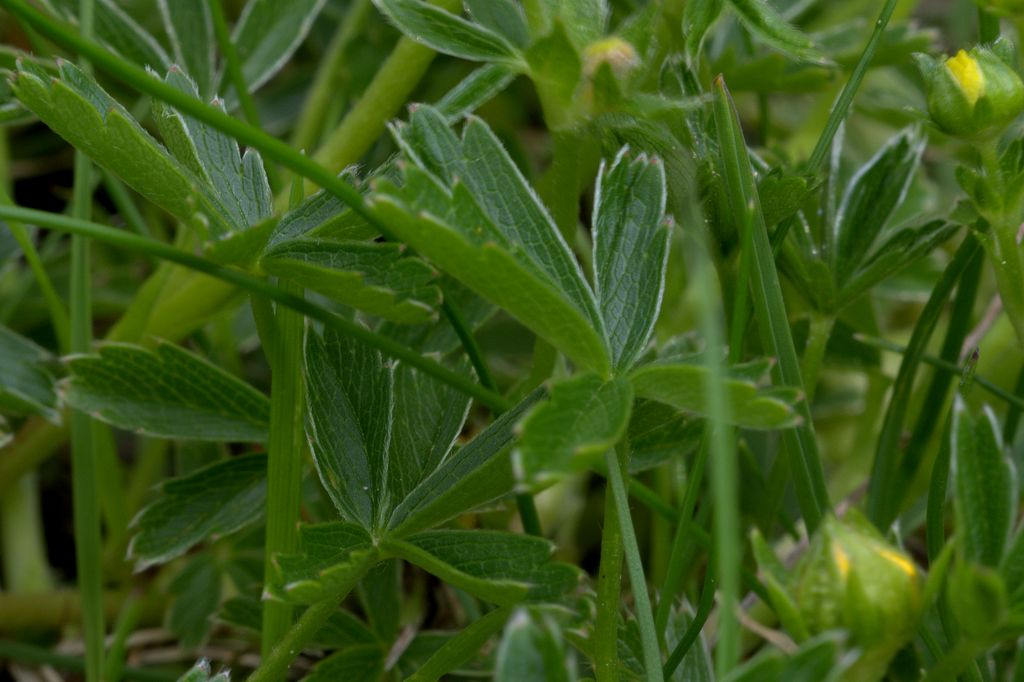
988 26
25 567
85 487
58 313
397 77
285 450
953 663
274 666
255 285
1012 399
817 340
845 99
232 62
605 643
707 601
126 622
617 462
462 647
841 107
773 322
677 557
884 485
330 75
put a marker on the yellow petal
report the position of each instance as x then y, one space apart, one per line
966 72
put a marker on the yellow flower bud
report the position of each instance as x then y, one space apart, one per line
852 579
972 94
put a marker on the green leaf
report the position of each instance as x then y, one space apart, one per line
556 68
189 27
81 112
586 20
169 393
121 33
196 591
266 35
26 385
448 33
236 183
985 485
531 650
322 215
209 503
329 553
630 252
362 663
428 418
766 23
369 276
698 15
473 475
769 304
499 567
350 404
474 91
467 207
683 386
201 672
875 192
501 16
897 253
583 417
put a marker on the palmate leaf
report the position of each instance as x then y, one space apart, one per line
698 16
201 672
872 196
467 208
473 475
121 33
82 113
169 393
362 663
189 27
196 589
505 17
498 567
328 553
683 386
630 252
267 33
350 403
531 648
582 419
214 501
27 387
369 276
448 33
199 178
765 22
428 418
985 486
237 183
474 91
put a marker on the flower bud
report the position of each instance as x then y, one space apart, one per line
972 94
852 579
615 52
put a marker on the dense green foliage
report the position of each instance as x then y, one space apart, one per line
511 339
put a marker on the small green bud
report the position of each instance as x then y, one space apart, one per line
972 94
851 578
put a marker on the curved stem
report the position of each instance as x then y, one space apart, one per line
275 665
256 285
617 461
329 76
